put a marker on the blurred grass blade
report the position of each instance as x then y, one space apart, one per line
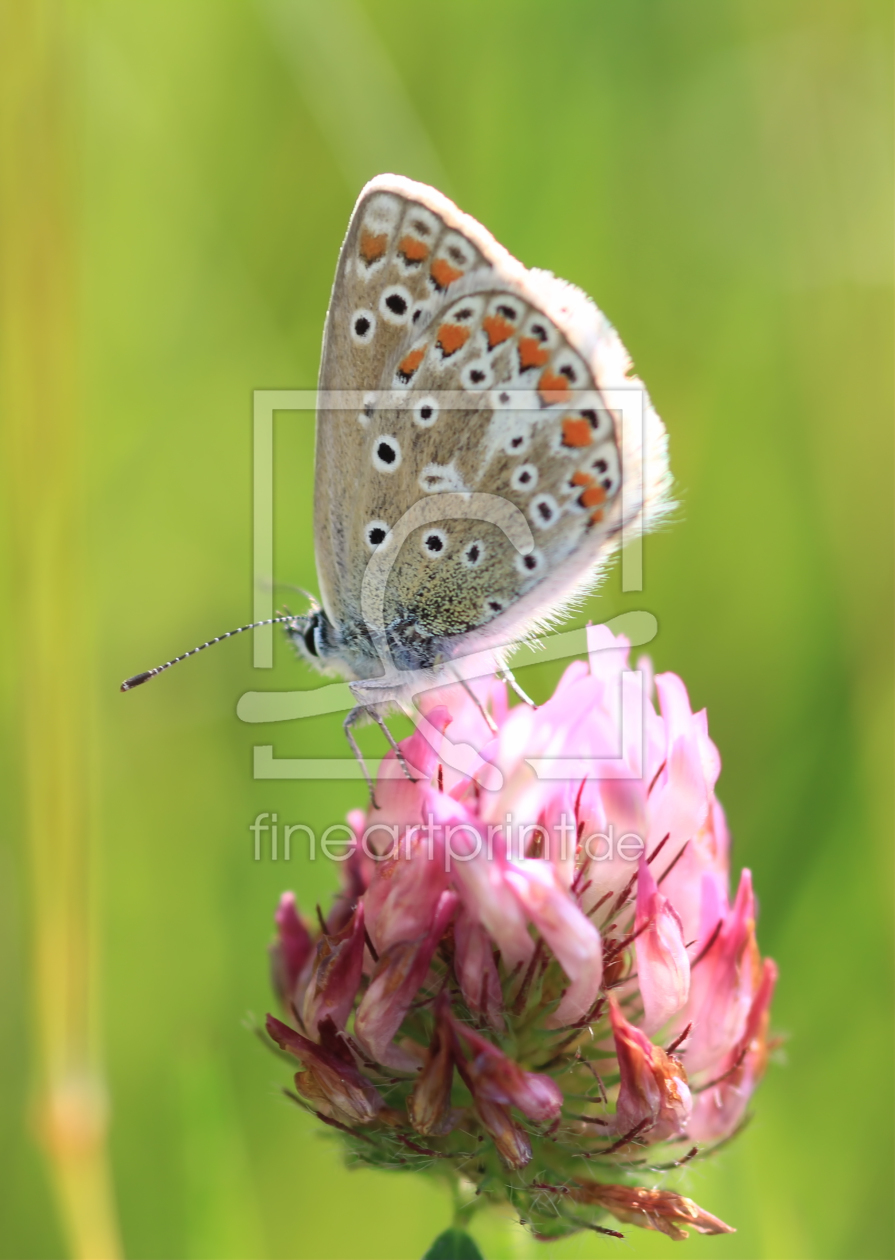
353 90
39 353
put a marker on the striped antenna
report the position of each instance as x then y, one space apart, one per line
139 679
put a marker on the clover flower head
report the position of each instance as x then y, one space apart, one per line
534 983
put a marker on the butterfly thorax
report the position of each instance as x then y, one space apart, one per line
352 651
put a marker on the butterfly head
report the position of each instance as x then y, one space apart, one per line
316 641
308 635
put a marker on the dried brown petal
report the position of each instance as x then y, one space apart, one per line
430 1103
662 1210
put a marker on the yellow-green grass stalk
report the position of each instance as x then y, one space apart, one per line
44 495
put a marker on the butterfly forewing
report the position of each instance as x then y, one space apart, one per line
398 262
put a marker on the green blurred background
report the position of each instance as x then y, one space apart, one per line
177 178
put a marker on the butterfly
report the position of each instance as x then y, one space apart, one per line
471 480
482 415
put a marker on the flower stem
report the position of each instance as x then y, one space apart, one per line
465 1205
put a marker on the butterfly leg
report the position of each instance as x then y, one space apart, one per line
509 677
402 760
352 719
486 716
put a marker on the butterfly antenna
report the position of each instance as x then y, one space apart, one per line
139 679
290 586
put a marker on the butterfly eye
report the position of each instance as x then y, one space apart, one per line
363 327
309 637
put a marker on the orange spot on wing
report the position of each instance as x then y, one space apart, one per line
498 330
553 387
411 362
576 432
412 249
373 245
451 337
593 497
531 353
582 479
443 273
596 517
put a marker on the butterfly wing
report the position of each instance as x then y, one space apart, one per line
473 376
406 247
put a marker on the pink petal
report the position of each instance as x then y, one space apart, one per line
719 1109
679 803
406 885
571 936
336 974
395 983
291 950
475 969
721 983
663 967
331 1078
653 1085
429 1105
497 1078
482 885
608 654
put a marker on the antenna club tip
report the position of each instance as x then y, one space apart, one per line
130 683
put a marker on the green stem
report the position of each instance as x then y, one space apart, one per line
463 1211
